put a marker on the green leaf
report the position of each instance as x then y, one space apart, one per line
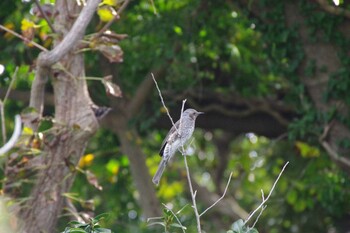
75 223
252 230
178 226
292 197
237 226
178 30
156 223
76 230
178 212
103 230
101 216
88 228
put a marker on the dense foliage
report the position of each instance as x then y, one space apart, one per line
218 47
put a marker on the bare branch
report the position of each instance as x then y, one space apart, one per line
3 127
73 36
162 100
107 25
73 211
177 219
257 218
14 137
217 201
193 195
23 38
340 160
268 196
47 59
11 84
43 13
226 207
37 91
335 10
2 105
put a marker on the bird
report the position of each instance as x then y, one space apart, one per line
178 135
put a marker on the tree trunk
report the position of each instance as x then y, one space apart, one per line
128 139
325 56
65 142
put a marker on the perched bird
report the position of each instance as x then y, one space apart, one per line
178 135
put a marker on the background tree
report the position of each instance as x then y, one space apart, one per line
270 75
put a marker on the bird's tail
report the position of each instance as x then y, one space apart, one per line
160 171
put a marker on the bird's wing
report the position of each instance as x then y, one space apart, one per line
165 141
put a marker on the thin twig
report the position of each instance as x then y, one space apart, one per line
23 38
268 196
180 125
37 3
193 196
14 76
2 105
193 193
177 219
107 25
2 115
217 201
71 39
162 100
257 218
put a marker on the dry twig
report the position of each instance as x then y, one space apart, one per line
162 100
107 25
183 152
23 38
175 216
2 105
37 3
218 200
268 196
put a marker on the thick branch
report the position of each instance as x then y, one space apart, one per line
343 162
47 59
333 9
74 35
38 89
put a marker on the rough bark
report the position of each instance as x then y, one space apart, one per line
75 121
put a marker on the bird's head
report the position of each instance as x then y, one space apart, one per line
191 113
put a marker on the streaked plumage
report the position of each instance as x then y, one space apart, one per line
174 142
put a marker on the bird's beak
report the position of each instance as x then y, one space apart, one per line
199 113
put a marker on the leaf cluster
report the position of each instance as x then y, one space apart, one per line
92 226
